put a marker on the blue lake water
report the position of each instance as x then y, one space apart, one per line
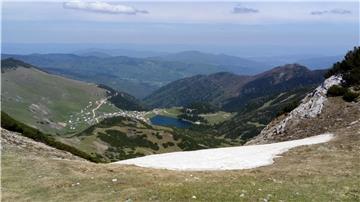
169 121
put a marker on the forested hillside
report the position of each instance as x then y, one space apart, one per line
255 99
214 89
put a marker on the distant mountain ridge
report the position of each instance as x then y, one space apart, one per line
212 88
223 89
117 52
277 80
93 54
313 62
136 76
141 75
229 63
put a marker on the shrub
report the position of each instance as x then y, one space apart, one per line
200 108
171 144
168 144
122 100
288 108
349 67
119 139
192 117
350 96
336 90
158 136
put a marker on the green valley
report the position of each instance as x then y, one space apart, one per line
250 102
95 117
179 101
52 103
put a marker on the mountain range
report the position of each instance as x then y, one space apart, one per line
226 89
136 76
234 64
99 52
255 99
43 167
313 62
140 76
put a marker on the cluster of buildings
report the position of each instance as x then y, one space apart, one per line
86 116
140 115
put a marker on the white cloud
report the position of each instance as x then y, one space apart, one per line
102 7
244 10
337 11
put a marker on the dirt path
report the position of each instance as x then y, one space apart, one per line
99 105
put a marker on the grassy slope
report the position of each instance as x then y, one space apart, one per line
174 112
325 172
248 122
56 97
10 124
170 112
218 117
120 138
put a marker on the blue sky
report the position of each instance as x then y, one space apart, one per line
245 28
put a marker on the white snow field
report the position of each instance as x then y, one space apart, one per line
228 158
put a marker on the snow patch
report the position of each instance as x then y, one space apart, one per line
228 158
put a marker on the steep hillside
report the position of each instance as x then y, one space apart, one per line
213 88
49 102
228 63
322 110
122 100
17 143
136 76
273 82
233 92
258 112
10 124
311 110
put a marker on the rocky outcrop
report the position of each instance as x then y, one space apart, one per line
311 107
16 142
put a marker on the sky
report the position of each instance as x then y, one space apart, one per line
237 28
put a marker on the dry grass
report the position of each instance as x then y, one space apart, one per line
326 172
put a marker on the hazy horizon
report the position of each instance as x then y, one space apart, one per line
260 52
248 29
